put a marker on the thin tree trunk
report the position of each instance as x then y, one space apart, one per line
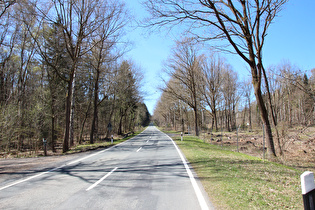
53 132
110 117
2 86
244 117
250 115
182 118
72 110
215 118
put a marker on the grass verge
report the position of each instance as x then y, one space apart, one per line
238 181
98 145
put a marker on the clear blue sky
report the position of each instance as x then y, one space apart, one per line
290 38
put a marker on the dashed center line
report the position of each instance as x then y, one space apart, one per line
99 181
139 149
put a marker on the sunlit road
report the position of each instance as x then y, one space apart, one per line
146 172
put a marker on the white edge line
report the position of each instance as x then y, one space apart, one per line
54 169
23 180
99 181
67 164
193 181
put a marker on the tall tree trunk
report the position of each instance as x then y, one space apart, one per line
21 95
110 117
244 117
2 89
216 120
94 129
53 132
71 137
196 121
212 124
68 112
234 116
274 120
265 120
84 120
250 115
182 118
120 125
214 112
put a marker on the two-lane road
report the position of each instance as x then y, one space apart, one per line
145 172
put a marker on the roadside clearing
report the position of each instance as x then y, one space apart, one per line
239 181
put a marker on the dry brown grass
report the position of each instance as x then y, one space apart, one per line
298 145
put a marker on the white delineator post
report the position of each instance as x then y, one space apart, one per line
308 190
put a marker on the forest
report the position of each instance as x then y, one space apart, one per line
203 93
63 76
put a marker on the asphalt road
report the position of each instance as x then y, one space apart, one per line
145 172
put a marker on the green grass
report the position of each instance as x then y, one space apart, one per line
238 181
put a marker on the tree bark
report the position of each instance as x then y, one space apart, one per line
84 120
94 129
53 132
120 125
272 111
68 112
196 120
71 135
264 117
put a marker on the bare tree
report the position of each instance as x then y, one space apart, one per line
212 68
8 33
243 24
247 88
161 112
4 6
170 110
77 21
229 91
297 83
26 50
295 78
185 72
106 39
44 46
